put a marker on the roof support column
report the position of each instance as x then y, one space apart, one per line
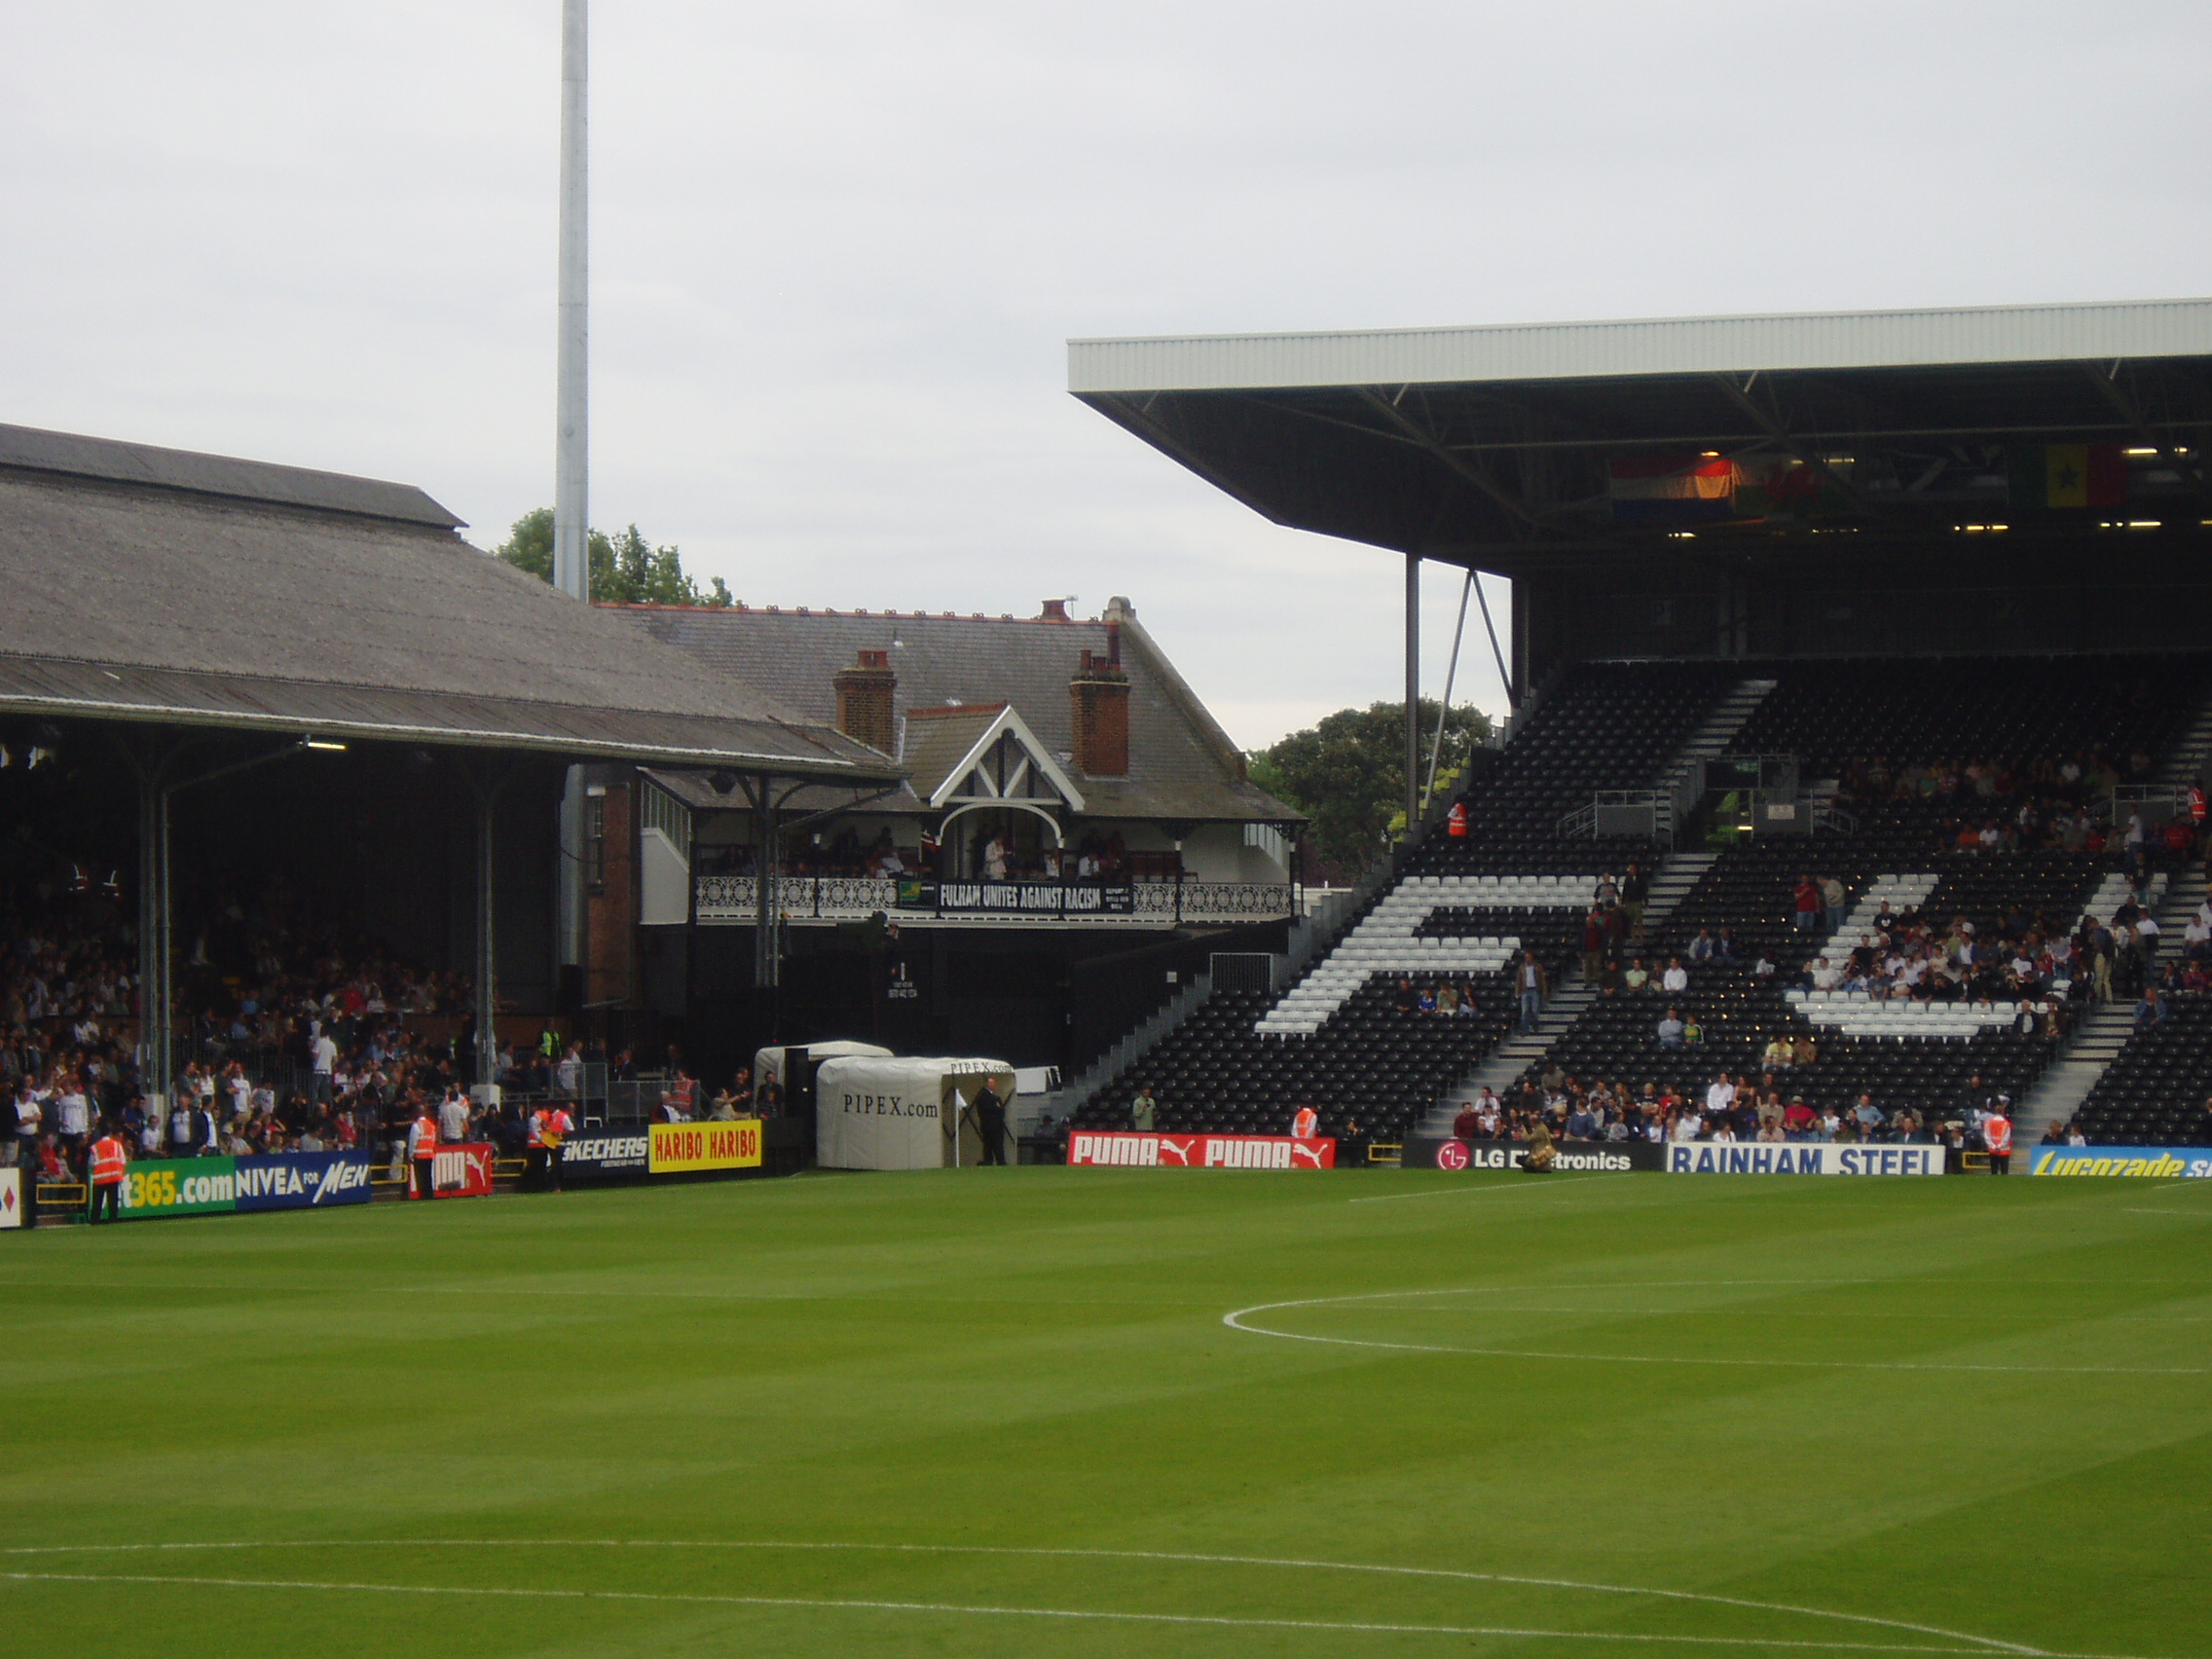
1412 694
484 786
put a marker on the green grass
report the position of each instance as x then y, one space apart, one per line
1997 1424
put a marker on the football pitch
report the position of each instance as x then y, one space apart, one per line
1121 1412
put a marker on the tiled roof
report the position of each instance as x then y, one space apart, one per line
1182 765
143 598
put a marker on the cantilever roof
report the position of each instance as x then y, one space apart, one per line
1653 345
151 585
1496 447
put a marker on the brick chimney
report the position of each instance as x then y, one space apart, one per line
1101 696
1055 610
864 700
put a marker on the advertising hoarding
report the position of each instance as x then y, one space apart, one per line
1127 1148
680 1148
2157 1163
1801 1157
1440 1152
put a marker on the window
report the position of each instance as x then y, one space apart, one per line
595 842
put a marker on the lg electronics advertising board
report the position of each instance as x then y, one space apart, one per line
1200 1152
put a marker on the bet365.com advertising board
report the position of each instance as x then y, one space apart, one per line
215 1186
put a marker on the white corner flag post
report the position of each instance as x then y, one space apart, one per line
572 559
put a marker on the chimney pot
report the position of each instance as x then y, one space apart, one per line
1055 610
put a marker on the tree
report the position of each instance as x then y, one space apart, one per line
1349 775
625 569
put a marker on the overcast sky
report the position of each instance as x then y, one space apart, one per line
837 249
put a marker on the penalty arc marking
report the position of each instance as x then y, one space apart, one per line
1981 1644
1235 1319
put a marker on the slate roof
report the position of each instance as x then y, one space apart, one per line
933 746
155 585
1182 765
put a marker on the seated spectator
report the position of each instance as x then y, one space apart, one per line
1677 979
1693 1033
2151 1012
1467 1124
1780 1053
1702 948
1798 1120
1670 1030
1764 968
1805 1051
1635 976
1826 976
1869 1117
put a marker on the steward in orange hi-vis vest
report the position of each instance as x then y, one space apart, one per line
1997 1136
108 1158
1306 1124
422 1149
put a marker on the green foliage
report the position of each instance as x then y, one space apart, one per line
625 569
1348 775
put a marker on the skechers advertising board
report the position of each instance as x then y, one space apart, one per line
1801 1157
1130 1150
605 1156
2158 1163
1608 1157
212 1186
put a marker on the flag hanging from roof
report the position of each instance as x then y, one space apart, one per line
1673 488
1706 488
2047 476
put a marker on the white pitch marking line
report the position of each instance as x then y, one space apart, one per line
986 1611
1989 1644
1564 1179
1234 1319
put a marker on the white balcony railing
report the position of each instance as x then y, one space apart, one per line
734 898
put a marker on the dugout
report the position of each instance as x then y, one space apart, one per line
880 1112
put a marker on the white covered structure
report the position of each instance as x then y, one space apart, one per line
875 1112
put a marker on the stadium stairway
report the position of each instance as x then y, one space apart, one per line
1709 742
2186 762
1311 937
2098 1040
1670 883
2067 1080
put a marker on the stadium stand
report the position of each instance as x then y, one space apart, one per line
2155 1093
1965 797
1344 1038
